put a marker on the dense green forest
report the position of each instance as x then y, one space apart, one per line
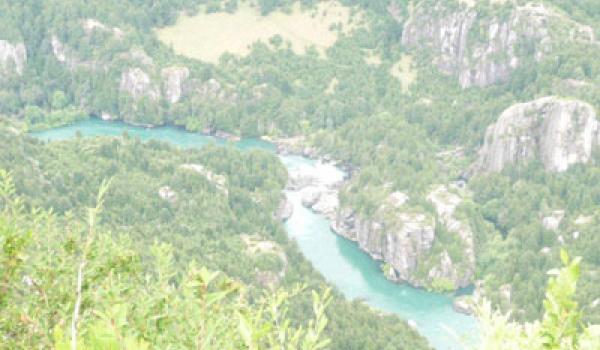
203 221
123 300
396 137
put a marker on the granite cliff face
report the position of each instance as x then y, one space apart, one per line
558 132
406 240
173 80
13 57
137 83
400 245
482 51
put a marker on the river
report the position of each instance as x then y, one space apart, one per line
339 260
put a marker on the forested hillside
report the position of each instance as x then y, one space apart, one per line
123 300
221 217
470 129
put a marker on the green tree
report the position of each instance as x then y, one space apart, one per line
561 327
59 100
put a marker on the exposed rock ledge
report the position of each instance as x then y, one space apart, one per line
397 235
558 132
13 57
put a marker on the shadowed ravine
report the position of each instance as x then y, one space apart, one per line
342 263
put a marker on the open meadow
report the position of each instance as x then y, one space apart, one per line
206 36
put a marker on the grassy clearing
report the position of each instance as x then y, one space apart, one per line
207 36
403 70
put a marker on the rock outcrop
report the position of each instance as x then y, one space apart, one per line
320 175
321 200
463 305
68 55
173 80
310 195
552 222
401 244
404 239
137 83
168 194
318 185
481 50
106 116
285 210
461 273
13 57
91 25
467 304
58 49
558 132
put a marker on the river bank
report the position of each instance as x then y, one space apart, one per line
400 248
317 186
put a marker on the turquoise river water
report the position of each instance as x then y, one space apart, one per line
342 263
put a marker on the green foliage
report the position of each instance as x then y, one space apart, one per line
394 141
561 327
59 100
268 262
203 223
124 306
514 248
584 11
382 146
441 285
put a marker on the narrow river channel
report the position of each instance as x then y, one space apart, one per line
340 261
